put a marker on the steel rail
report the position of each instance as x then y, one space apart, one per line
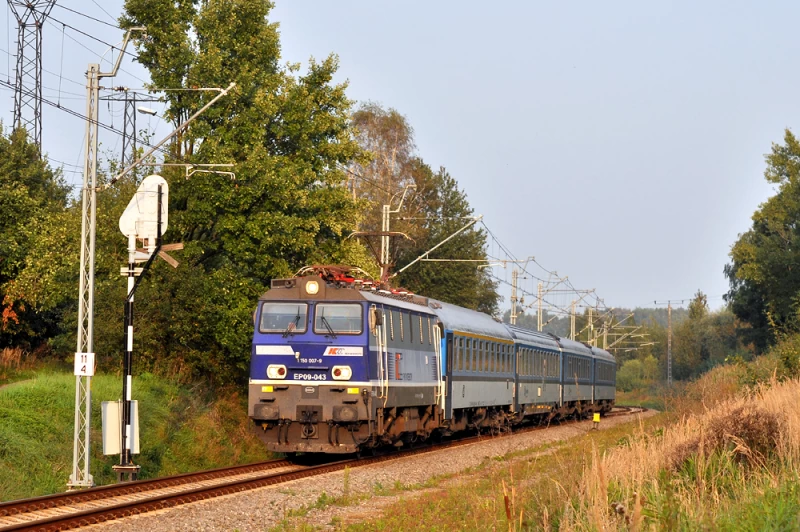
115 490
163 501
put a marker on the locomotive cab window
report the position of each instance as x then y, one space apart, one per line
338 318
283 318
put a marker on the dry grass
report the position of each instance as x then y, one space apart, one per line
11 358
690 474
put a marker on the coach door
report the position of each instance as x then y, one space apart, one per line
377 324
517 383
449 356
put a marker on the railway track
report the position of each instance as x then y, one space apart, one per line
76 509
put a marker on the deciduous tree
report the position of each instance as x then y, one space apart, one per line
764 274
29 192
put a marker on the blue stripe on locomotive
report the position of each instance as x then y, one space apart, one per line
311 347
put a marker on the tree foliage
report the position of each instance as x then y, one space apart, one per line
764 274
442 210
290 134
29 193
431 212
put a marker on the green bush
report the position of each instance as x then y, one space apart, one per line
181 429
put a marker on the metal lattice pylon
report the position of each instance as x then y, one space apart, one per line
80 476
30 16
129 131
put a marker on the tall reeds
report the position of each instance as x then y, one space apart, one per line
693 471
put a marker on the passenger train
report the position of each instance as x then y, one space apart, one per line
339 366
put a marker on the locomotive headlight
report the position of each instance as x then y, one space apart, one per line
312 287
276 371
341 373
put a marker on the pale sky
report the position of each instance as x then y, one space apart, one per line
619 143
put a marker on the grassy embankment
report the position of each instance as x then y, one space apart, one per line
723 456
183 428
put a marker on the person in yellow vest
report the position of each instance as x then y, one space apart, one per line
596 420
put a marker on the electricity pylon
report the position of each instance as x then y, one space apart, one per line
30 15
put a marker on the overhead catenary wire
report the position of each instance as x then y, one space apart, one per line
552 306
85 118
89 16
110 46
101 41
104 11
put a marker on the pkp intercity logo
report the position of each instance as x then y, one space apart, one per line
344 351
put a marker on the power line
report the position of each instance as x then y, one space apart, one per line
90 17
48 71
84 117
112 46
104 11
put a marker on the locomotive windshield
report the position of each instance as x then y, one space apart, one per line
287 318
338 318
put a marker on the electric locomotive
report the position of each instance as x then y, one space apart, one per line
339 365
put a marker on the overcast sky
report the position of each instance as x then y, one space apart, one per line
620 143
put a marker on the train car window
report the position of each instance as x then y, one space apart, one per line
421 339
287 318
500 362
402 328
339 318
493 359
460 353
471 354
391 323
528 362
525 361
517 362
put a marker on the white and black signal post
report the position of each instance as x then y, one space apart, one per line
145 218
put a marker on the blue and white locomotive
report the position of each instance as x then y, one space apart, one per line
340 366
